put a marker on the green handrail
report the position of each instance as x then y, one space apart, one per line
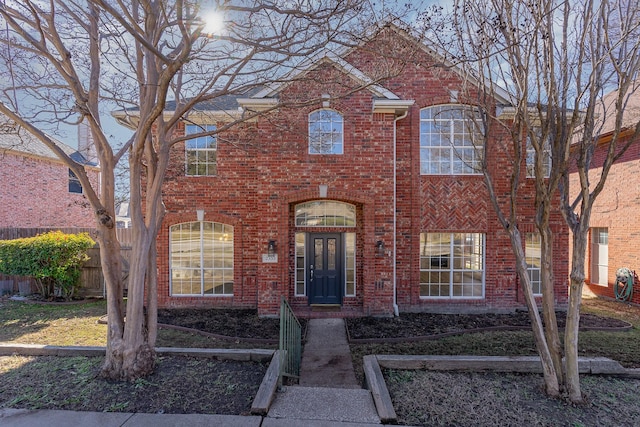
290 342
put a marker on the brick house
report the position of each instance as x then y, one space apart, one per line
615 219
36 188
358 204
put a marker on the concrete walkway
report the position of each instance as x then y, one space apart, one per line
328 391
326 360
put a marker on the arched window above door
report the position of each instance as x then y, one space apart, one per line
325 213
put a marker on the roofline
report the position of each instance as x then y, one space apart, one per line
53 159
130 121
500 93
311 63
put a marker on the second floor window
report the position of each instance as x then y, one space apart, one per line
531 158
326 134
201 152
74 183
451 141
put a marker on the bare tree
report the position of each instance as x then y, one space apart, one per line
72 61
556 59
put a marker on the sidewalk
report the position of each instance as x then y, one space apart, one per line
54 418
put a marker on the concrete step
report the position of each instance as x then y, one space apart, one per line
325 404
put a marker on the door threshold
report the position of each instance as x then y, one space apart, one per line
326 307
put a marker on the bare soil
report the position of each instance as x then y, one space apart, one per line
416 325
178 385
236 324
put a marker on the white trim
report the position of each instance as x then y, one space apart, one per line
394 106
311 63
257 104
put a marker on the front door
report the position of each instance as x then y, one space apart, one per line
324 268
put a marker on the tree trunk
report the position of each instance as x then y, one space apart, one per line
110 259
549 304
138 354
152 296
573 316
129 354
552 387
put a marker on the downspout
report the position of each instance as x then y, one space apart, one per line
396 310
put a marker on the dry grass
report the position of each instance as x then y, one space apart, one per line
59 324
77 324
429 398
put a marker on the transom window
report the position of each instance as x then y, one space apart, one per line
326 134
451 141
200 152
452 265
201 259
533 255
325 213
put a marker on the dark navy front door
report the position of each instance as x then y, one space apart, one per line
324 268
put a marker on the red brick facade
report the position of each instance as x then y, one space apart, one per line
268 170
34 192
617 211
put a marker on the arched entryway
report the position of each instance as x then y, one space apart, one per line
325 251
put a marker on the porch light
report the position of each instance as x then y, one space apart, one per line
380 248
271 247
200 214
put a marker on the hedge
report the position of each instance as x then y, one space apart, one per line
53 259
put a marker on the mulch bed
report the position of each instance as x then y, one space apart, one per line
245 325
418 326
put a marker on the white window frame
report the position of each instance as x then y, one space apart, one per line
533 254
531 158
326 132
227 235
599 250
447 265
326 214
203 145
350 236
300 252
457 148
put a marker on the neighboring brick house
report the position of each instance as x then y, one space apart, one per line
355 205
36 188
615 218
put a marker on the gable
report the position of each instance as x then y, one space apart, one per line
385 65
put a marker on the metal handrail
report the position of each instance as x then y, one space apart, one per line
290 342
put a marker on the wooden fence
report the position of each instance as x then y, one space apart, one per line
91 279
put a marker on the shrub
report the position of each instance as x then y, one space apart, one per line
53 259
